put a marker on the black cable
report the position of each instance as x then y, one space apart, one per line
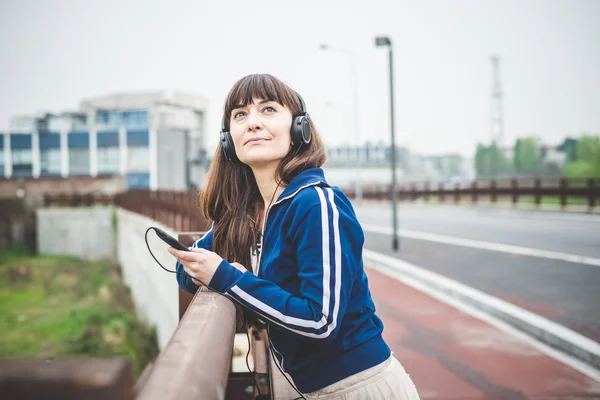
271 347
237 307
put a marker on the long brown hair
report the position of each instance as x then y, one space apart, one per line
231 198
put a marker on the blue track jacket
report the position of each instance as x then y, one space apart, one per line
310 286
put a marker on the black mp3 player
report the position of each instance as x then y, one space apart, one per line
170 240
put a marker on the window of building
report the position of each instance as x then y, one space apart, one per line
134 119
79 161
108 117
108 160
50 161
1 160
102 117
22 160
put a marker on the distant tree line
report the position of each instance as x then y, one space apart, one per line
582 159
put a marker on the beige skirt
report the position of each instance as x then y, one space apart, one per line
385 381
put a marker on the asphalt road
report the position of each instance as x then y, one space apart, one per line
554 231
565 292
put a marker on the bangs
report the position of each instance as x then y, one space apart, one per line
261 86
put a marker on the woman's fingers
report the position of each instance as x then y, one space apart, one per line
200 264
192 256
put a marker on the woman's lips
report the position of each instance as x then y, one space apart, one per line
256 140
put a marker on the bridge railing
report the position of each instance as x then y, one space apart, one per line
179 209
534 191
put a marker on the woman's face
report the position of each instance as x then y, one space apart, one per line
261 132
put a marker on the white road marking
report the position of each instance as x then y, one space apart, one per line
492 246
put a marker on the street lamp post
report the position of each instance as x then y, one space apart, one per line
357 186
385 41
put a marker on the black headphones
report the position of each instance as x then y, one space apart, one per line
300 132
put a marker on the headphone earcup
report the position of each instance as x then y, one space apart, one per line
301 133
228 147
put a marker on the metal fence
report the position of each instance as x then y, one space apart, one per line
587 191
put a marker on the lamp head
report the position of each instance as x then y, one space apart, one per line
382 41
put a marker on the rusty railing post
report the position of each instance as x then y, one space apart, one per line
493 192
538 192
591 194
563 193
514 192
456 193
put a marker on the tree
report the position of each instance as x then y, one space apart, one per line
588 149
516 156
569 147
587 164
490 161
480 160
527 157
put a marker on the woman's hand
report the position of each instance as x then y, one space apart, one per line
200 264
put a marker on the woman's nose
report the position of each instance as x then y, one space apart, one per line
254 121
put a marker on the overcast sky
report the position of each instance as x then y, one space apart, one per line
54 53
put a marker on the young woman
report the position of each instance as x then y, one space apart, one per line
288 246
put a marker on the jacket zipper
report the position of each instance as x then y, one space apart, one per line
262 235
258 269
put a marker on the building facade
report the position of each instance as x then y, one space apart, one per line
155 140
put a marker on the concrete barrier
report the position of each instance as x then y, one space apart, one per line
108 232
85 232
154 291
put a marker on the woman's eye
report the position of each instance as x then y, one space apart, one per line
238 114
269 108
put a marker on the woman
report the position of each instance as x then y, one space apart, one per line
288 246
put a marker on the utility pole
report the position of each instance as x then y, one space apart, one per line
384 41
497 122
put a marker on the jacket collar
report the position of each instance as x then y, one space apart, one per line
308 177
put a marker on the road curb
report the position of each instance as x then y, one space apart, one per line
542 329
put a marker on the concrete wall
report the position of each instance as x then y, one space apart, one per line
92 233
85 232
154 291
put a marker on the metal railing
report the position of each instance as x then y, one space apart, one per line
179 209
587 191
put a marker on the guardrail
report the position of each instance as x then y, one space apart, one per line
176 209
179 209
587 191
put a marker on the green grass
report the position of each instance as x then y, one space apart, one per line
61 306
554 200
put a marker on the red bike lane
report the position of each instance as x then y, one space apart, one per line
452 355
